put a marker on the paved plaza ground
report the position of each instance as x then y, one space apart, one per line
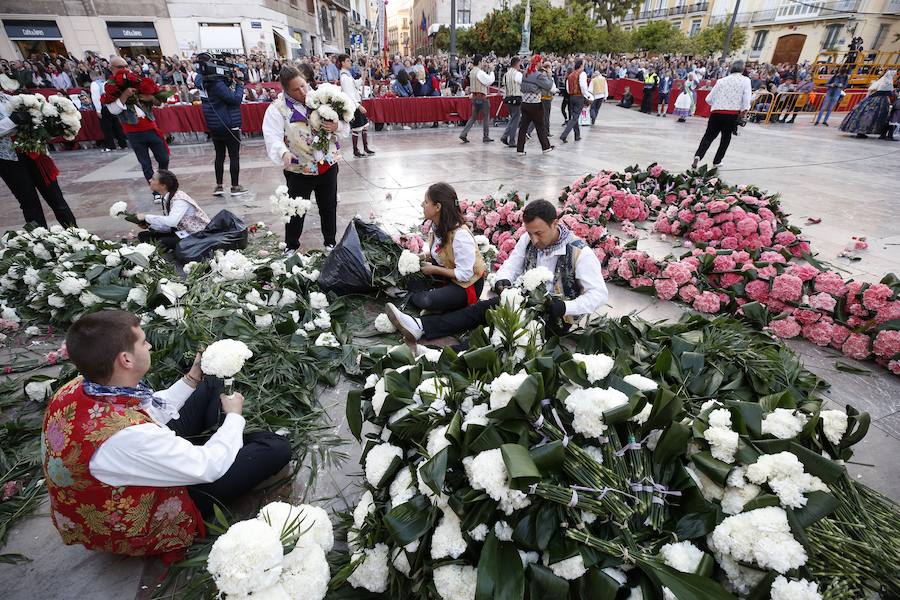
852 185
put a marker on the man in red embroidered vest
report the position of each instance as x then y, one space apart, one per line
144 136
122 469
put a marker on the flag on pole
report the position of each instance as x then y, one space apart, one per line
424 24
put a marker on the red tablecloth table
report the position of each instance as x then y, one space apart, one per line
617 88
427 110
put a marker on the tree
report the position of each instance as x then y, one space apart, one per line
616 40
441 39
608 11
710 40
659 36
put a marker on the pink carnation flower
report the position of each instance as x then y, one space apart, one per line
785 328
831 283
787 288
707 302
856 346
839 335
822 301
665 288
757 290
887 343
688 292
656 171
804 272
876 296
818 333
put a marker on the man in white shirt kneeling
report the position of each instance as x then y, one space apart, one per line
140 464
578 278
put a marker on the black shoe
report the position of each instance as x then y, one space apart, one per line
825 124
369 152
504 141
578 139
486 140
861 136
358 154
464 139
563 140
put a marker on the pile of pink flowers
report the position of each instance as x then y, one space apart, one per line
742 253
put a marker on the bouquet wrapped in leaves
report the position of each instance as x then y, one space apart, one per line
691 461
328 103
41 120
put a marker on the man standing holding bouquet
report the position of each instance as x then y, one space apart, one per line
139 124
578 283
132 471
291 142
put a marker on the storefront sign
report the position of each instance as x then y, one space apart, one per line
32 30
255 24
131 31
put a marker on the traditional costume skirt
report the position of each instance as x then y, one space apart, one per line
870 116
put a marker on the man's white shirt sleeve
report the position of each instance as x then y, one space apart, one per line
273 133
152 455
585 89
485 78
594 294
464 255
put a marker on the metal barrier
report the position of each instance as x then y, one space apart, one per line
863 66
767 107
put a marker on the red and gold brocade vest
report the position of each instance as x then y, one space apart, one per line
132 520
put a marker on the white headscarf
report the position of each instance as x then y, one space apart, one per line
886 83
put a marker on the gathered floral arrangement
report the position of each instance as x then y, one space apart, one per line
43 120
626 458
742 256
285 208
146 91
330 104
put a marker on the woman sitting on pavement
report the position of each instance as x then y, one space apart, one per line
451 255
181 216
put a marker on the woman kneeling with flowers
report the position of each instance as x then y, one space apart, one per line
181 216
451 254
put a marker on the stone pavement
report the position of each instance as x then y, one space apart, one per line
850 184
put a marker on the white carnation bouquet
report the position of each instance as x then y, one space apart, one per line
279 554
330 104
46 119
285 208
224 359
119 210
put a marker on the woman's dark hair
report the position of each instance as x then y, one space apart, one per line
539 209
168 179
341 58
307 73
94 341
403 77
445 196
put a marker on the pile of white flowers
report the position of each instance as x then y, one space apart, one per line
379 461
57 116
487 471
285 208
225 358
232 266
834 425
723 442
248 559
330 103
533 278
761 537
797 589
504 387
598 366
587 406
783 472
118 209
784 423
383 324
408 263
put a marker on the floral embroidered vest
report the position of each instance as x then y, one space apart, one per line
193 221
564 280
132 520
299 137
445 253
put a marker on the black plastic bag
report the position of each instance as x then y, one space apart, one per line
346 270
224 232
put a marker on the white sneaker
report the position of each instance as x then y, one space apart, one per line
409 326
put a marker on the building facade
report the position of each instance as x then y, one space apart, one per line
784 30
282 28
398 32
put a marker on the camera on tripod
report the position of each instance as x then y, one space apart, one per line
218 67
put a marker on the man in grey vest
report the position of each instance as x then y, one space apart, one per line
578 283
512 82
480 77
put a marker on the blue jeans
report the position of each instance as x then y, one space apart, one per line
828 104
144 142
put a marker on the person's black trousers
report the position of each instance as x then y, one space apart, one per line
647 101
719 124
166 239
532 118
446 297
112 130
229 141
145 142
25 180
325 187
458 321
263 453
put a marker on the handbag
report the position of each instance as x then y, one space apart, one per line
513 100
585 117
